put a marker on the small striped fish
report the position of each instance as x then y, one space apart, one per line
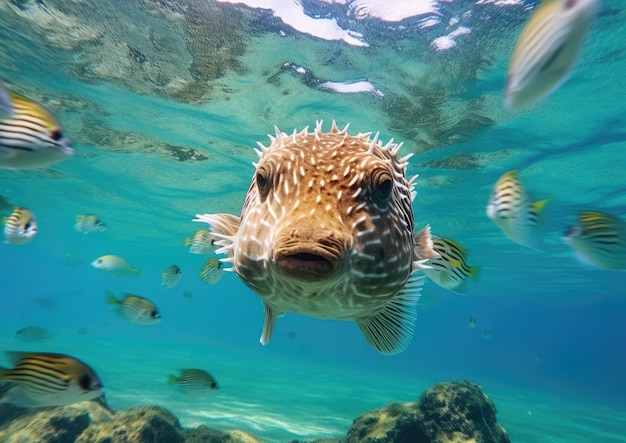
194 382
137 309
201 243
599 239
30 137
511 210
171 276
89 223
450 270
20 227
212 271
114 264
547 49
44 379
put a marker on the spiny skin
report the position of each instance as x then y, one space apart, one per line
327 227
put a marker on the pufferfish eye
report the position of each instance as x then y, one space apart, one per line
382 186
262 180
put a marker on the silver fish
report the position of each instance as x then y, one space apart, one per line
547 50
171 276
599 239
44 379
511 209
20 227
327 231
201 243
194 382
115 265
33 334
30 137
89 223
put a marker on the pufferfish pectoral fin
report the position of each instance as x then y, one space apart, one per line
423 245
390 330
268 325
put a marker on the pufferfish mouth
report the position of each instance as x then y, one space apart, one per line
307 264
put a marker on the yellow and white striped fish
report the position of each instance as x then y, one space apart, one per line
201 243
114 264
45 379
20 227
194 382
135 308
212 271
599 239
30 137
511 210
171 276
547 50
450 270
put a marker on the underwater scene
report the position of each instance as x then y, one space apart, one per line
313 220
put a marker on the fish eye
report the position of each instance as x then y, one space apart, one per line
154 314
262 181
383 185
27 226
84 381
214 385
56 135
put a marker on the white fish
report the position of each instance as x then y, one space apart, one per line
44 379
89 223
20 227
547 50
30 137
327 231
201 243
599 239
33 334
115 265
511 210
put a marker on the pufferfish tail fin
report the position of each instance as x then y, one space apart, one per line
390 330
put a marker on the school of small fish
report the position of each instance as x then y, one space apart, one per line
327 229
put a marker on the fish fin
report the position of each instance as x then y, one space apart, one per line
390 330
172 380
7 109
423 245
474 272
5 205
135 271
539 206
268 324
110 299
14 357
3 373
223 227
188 241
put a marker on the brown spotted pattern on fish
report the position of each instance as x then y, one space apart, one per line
327 231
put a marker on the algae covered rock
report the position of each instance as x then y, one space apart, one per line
456 412
203 434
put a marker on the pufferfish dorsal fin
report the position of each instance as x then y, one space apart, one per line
268 324
390 331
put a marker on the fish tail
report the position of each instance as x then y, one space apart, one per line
5 205
3 373
110 298
539 206
188 241
172 380
474 271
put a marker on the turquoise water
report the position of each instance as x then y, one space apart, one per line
555 363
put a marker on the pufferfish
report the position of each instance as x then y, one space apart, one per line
327 231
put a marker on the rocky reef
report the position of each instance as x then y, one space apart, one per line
456 412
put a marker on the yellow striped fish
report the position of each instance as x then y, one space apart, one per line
511 210
599 239
201 243
137 309
547 49
44 379
171 276
450 270
20 227
30 137
114 264
212 271
194 382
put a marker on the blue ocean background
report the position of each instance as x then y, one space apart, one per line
556 360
